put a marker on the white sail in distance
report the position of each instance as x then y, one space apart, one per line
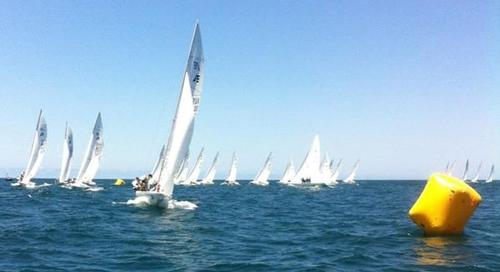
289 173
466 170
490 176
66 155
335 174
183 122
38 148
309 169
262 177
209 178
233 170
352 176
325 171
476 177
93 155
449 168
192 178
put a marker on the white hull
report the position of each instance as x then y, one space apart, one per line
259 183
160 200
230 183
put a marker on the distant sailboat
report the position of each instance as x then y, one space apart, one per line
352 176
335 174
233 170
309 169
475 179
289 173
490 176
182 128
66 155
262 177
38 149
325 170
192 178
466 170
92 158
449 168
183 172
209 178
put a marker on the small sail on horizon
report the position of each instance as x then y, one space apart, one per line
93 155
289 173
67 155
475 179
192 178
209 178
262 177
334 177
183 172
38 148
233 170
490 176
352 176
449 168
325 171
309 169
466 170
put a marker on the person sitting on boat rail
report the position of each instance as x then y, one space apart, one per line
136 184
21 176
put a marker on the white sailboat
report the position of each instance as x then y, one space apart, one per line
92 157
38 148
466 170
335 174
262 177
66 155
192 178
352 176
449 168
309 169
182 174
325 170
182 128
289 173
475 179
209 178
233 170
490 176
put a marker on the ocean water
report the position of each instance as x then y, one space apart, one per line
360 227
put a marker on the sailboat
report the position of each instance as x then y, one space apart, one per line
475 179
66 155
289 173
352 176
335 174
92 158
156 169
37 153
490 176
209 178
308 172
325 170
262 177
233 170
183 172
182 128
449 168
466 170
192 178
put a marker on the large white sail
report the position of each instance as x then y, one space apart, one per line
262 177
335 174
233 170
475 179
309 169
490 176
192 178
38 149
209 178
289 173
466 170
352 176
93 155
183 122
66 155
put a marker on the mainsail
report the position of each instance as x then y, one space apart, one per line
155 174
490 176
183 122
262 177
66 155
192 178
209 178
476 177
93 155
309 169
466 170
289 173
350 178
38 149
231 178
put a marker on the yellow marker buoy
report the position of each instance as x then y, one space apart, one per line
444 206
119 182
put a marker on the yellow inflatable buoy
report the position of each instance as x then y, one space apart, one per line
119 182
444 206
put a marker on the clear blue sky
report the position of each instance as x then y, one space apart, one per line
405 86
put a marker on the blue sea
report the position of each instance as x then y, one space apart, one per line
361 227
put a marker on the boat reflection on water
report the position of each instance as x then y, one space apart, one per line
442 250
